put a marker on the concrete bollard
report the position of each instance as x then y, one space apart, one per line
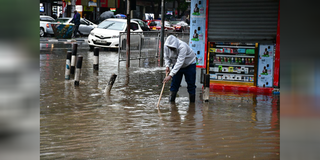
73 57
78 71
96 58
206 87
68 62
110 83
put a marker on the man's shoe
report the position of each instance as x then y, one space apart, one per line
172 97
192 98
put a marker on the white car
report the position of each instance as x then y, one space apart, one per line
108 31
85 25
45 25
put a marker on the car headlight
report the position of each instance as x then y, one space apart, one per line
115 36
91 33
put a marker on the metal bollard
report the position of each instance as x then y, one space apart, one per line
110 83
96 58
78 71
68 61
73 58
206 88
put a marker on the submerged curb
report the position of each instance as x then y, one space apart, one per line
63 40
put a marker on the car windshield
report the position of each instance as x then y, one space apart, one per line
88 21
61 20
114 25
174 22
158 23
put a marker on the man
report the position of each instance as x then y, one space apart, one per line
183 59
76 21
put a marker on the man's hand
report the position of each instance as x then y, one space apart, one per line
167 70
167 79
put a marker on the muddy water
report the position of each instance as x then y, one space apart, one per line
83 123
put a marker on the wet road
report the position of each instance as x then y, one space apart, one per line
84 123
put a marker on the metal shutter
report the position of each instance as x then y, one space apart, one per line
242 21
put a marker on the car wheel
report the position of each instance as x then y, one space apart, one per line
42 32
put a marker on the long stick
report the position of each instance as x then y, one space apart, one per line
161 92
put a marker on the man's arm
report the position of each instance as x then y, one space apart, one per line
180 60
72 20
166 56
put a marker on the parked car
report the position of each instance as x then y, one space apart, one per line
108 31
142 24
85 25
155 25
180 26
45 24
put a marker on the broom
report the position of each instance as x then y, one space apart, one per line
161 92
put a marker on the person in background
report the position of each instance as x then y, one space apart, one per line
183 59
54 16
188 20
76 21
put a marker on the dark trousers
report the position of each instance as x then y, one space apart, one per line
75 30
190 77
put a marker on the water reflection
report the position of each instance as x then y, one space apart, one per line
84 123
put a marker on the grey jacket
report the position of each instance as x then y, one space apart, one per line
181 57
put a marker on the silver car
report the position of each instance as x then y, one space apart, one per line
85 25
45 25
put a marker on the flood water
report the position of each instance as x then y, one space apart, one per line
84 123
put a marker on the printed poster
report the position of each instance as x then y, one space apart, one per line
197 30
265 65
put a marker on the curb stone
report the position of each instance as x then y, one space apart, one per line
62 40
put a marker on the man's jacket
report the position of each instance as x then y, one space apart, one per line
181 57
76 19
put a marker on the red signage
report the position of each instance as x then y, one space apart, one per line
104 3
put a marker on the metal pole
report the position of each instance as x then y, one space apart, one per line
73 57
206 87
98 9
78 71
96 58
162 33
128 34
68 63
73 7
110 84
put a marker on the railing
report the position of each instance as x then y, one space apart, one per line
145 44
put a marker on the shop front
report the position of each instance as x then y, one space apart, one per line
237 43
